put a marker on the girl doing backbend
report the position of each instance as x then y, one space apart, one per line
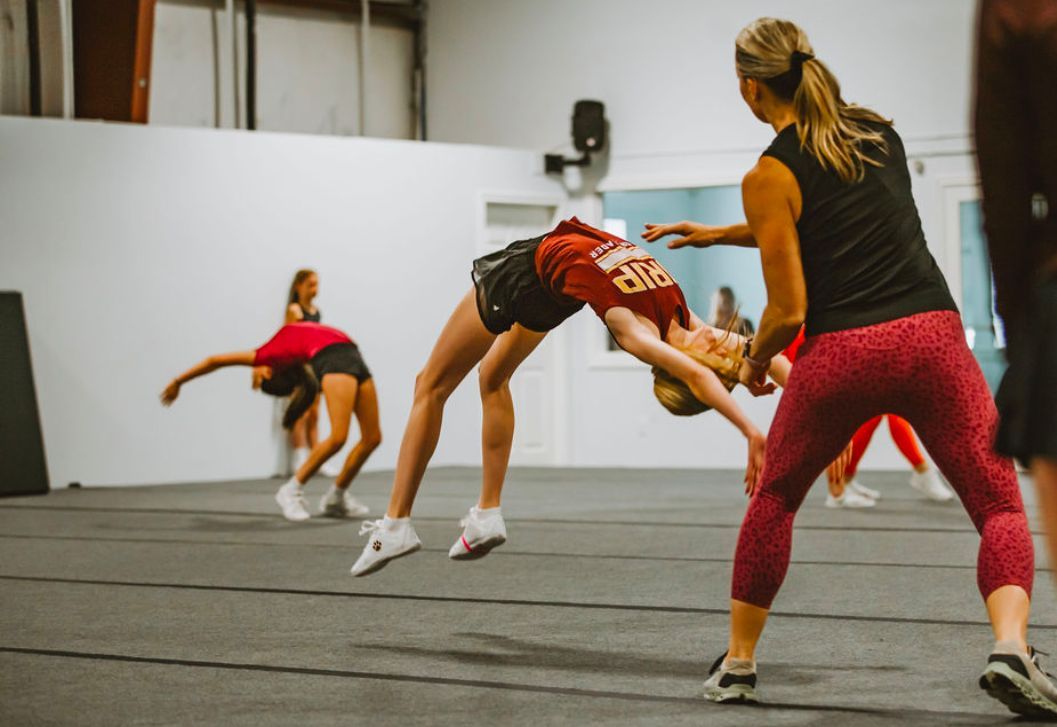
519 294
300 360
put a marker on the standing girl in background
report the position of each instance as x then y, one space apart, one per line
724 313
300 308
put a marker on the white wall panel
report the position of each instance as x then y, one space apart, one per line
141 250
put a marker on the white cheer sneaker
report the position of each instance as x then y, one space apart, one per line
483 530
863 490
850 499
929 484
339 503
291 500
389 539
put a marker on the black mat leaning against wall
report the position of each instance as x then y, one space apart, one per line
23 470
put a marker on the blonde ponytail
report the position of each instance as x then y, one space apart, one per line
675 395
777 53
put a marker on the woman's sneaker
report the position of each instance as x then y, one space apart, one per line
339 503
389 539
929 484
731 680
1015 679
482 531
850 499
291 499
856 486
330 470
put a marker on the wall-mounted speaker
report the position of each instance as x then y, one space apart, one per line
589 126
589 136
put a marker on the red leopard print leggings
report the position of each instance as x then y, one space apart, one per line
920 368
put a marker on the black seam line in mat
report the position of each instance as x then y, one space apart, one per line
586 605
534 521
501 553
445 681
481 684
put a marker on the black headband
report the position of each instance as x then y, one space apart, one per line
798 59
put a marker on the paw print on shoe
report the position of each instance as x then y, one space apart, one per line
376 545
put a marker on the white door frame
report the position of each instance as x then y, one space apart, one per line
953 192
557 364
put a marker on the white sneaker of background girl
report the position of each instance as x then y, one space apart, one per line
291 499
864 490
850 499
929 484
340 503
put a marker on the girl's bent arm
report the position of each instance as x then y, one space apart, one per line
641 343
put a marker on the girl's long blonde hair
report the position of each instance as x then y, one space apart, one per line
675 395
778 54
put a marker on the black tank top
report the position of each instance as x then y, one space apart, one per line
864 253
310 317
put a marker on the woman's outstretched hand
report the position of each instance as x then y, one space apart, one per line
691 234
169 394
757 452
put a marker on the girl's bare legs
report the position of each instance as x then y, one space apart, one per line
366 411
340 392
304 435
1044 472
305 432
497 429
462 344
311 420
298 434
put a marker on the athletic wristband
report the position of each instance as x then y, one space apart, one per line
758 365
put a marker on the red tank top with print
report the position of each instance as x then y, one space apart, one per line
604 271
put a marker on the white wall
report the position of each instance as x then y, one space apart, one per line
507 72
141 250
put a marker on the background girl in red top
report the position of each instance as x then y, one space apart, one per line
299 361
519 294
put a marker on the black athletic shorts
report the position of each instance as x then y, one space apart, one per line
1027 398
340 358
509 291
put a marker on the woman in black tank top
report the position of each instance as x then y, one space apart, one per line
829 206
303 290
